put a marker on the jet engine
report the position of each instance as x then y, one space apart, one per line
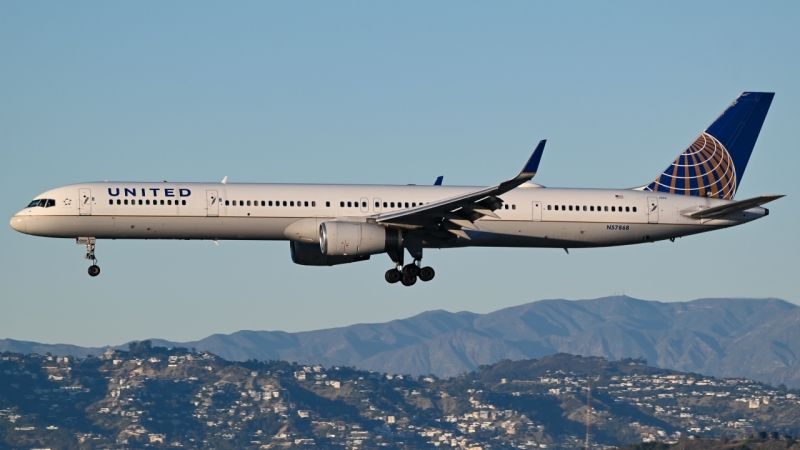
310 255
357 238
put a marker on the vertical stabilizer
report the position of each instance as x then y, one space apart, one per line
714 164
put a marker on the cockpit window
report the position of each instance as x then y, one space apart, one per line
42 202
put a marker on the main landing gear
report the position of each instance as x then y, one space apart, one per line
94 269
408 274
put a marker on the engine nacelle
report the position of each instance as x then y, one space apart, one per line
357 238
310 255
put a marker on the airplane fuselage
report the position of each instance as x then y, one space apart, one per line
531 215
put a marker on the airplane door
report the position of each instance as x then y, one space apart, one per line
652 210
212 204
537 211
364 204
85 201
377 203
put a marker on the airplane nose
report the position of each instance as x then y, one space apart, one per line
20 223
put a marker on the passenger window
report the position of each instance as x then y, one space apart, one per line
605 208
227 202
406 204
305 203
162 202
363 204
513 206
120 201
284 203
349 204
619 208
414 204
183 202
570 207
313 204
327 204
627 209
291 203
385 204
584 207
147 202
126 201
392 204
548 208
591 208
634 209
140 202
612 209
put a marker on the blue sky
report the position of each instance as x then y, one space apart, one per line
377 92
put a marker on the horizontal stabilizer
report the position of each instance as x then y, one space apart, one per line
728 208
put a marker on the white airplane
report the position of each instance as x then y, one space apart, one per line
328 225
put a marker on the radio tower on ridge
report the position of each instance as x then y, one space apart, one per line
588 444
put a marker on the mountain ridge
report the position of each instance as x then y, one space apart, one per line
738 337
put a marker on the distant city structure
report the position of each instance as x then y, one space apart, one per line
173 397
588 444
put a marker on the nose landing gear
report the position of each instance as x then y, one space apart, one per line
89 243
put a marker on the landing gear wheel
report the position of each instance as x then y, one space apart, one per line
410 271
94 270
426 273
393 276
408 281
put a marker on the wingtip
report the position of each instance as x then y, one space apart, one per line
533 162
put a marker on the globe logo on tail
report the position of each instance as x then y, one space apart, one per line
705 169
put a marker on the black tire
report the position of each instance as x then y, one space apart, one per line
393 276
411 271
408 281
427 273
94 270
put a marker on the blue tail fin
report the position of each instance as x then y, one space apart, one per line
714 164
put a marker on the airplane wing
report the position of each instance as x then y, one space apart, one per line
452 214
728 208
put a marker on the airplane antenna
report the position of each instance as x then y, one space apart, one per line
225 180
